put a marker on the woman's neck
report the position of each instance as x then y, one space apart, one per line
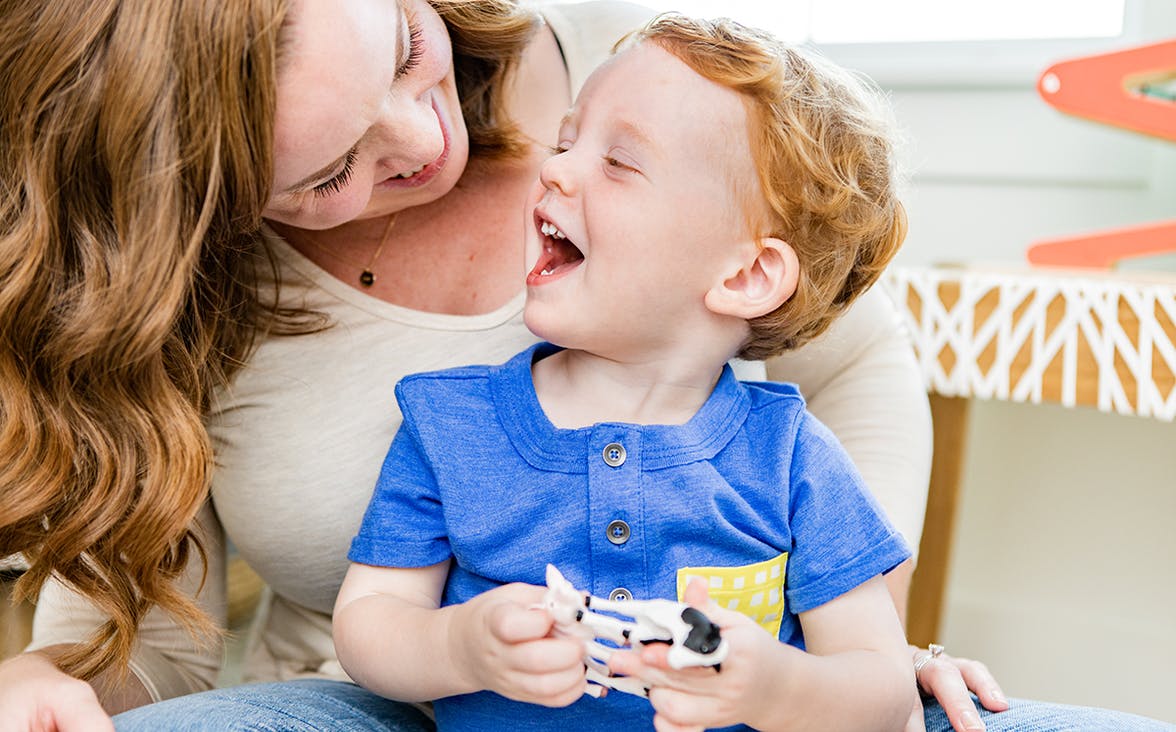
463 253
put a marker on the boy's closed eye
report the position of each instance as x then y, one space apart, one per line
613 162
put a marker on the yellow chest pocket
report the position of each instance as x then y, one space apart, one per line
756 590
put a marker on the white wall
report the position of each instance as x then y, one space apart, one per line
1063 574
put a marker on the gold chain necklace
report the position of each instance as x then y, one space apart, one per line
367 277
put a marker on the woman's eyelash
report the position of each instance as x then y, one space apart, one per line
334 185
415 50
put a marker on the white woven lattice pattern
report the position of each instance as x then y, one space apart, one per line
1035 337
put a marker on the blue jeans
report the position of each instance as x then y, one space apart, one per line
1034 716
311 705
304 705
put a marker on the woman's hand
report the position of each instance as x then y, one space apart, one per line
36 696
951 681
509 649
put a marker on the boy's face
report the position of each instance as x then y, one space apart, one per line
638 214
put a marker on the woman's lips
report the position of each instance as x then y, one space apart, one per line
431 170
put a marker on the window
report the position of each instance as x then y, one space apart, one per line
1002 43
905 21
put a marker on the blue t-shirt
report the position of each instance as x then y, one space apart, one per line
752 492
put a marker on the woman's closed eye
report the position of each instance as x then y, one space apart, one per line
335 184
416 50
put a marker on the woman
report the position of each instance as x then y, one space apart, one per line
389 146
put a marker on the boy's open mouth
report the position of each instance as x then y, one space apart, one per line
559 254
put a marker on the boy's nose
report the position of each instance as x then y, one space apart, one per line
554 174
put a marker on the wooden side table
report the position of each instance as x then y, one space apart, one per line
1093 339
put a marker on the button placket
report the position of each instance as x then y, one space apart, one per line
615 510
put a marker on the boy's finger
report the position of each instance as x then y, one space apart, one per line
661 724
513 623
697 595
548 655
681 707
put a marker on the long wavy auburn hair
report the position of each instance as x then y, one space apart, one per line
488 38
824 146
135 164
133 172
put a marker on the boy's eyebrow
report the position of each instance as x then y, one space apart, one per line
325 171
634 130
566 119
639 135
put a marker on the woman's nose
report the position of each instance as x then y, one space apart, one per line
410 132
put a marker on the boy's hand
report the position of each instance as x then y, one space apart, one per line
698 698
508 648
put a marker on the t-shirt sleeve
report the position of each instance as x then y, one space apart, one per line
840 536
404 525
861 380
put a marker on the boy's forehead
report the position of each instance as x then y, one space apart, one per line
656 97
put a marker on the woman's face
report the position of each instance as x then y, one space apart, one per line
368 120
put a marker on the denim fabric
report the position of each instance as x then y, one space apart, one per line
1033 716
319 705
304 705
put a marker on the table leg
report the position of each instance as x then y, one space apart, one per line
924 611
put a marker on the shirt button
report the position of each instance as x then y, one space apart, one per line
614 454
620 594
617 532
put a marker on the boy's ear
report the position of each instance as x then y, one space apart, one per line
760 282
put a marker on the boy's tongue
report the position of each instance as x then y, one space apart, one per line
558 255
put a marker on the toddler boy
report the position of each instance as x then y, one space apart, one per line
713 194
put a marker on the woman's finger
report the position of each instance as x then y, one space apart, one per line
941 679
982 683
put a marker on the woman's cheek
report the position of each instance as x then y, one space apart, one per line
310 211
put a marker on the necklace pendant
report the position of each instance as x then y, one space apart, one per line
367 279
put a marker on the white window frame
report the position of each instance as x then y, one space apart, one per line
1009 63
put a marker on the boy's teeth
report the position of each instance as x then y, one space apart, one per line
549 229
